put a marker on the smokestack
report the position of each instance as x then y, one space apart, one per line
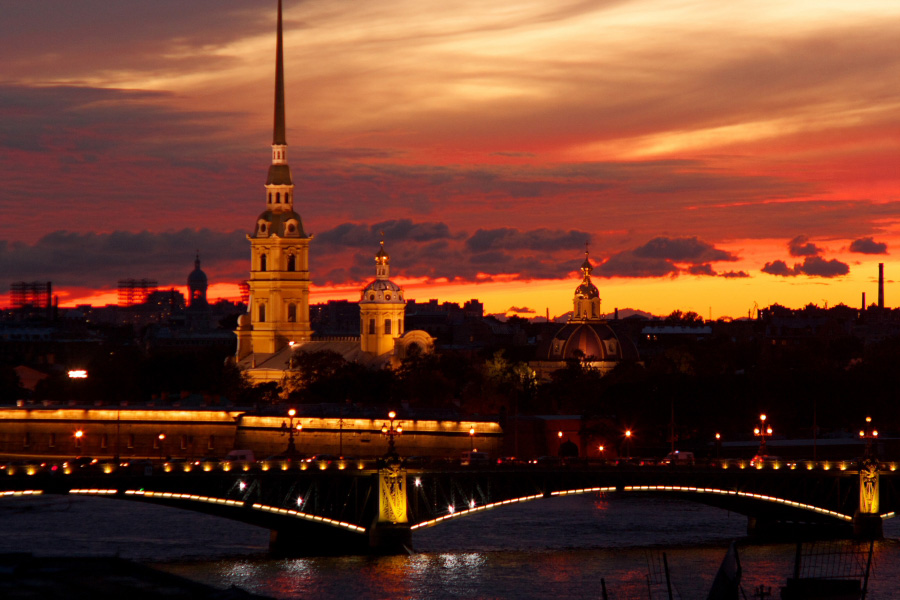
881 285
617 313
864 302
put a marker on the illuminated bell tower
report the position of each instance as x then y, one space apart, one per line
381 309
586 303
278 311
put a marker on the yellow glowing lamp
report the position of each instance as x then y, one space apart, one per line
79 434
78 374
384 429
399 429
292 412
392 415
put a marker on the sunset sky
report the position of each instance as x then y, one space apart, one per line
712 154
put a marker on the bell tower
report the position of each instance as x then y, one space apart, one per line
586 303
278 312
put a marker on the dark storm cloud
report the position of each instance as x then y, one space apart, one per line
705 269
537 239
395 232
867 245
780 268
813 266
662 256
801 246
432 250
520 309
687 249
98 261
626 264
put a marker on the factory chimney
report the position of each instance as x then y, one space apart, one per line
881 286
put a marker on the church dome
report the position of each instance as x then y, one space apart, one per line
587 290
197 277
594 341
382 291
284 224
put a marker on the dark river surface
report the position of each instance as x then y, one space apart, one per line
553 548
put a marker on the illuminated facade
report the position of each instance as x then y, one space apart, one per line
381 309
278 311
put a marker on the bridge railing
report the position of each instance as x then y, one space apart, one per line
330 463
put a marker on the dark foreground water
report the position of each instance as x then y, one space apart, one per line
556 548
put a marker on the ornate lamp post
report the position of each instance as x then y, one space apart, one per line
162 438
763 431
627 443
391 430
289 429
868 434
472 438
718 444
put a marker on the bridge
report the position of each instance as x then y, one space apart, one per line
358 506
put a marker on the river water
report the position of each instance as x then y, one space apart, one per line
554 548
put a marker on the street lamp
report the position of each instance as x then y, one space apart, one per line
718 444
472 437
627 443
868 434
391 430
162 438
79 435
763 431
289 429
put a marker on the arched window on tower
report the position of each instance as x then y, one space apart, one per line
387 326
371 326
262 313
292 313
291 262
262 262
277 197
287 197
270 197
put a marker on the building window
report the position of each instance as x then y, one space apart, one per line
104 441
287 197
278 198
387 326
400 327
184 442
211 444
292 260
52 442
26 440
262 261
130 442
270 197
371 326
292 313
262 313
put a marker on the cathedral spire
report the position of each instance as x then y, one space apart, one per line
279 138
279 198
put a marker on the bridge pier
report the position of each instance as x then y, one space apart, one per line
390 538
867 527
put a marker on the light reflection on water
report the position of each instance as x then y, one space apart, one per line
548 548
